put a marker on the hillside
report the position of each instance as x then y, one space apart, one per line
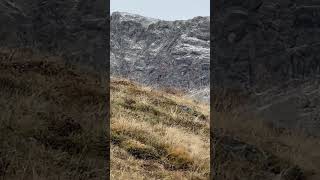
157 134
53 124
161 134
52 120
266 65
248 147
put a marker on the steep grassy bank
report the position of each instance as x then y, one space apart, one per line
157 134
52 119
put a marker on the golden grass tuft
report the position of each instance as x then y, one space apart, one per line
139 150
179 158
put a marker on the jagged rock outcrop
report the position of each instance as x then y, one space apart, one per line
76 29
161 53
270 49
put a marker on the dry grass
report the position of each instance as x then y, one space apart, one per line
155 136
52 119
53 126
290 148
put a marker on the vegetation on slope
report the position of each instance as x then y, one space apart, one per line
157 135
53 126
248 148
52 119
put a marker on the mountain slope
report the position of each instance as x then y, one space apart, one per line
246 147
161 135
52 120
161 53
157 135
269 50
75 29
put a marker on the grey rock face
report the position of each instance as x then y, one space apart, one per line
262 43
161 53
76 29
270 49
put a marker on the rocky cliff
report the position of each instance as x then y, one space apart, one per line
161 53
72 28
270 49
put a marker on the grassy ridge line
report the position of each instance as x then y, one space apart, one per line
157 134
